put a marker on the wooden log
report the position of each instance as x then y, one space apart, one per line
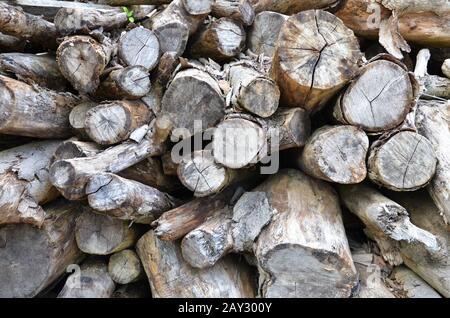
92 281
432 86
263 34
70 176
252 91
387 223
169 274
140 47
102 235
113 122
25 183
82 60
15 22
291 6
220 40
32 258
401 161
77 118
131 82
176 223
446 68
293 260
240 10
424 23
411 285
33 111
363 106
432 123
124 199
174 25
10 43
336 154
31 68
124 267
75 149
315 56
193 95
425 214
205 245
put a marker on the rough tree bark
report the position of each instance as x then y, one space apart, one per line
293 259
51 248
10 43
124 267
34 111
315 56
24 182
140 47
170 275
336 154
291 6
240 10
401 161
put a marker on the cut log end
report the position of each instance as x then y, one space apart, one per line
140 46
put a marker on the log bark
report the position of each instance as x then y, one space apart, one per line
388 223
10 43
363 106
425 214
130 83
411 285
124 199
24 182
240 10
432 123
220 40
293 260
291 6
103 235
70 149
263 34
51 248
15 22
205 245
33 111
402 161
124 267
31 68
139 47
336 154
71 175
113 122
82 60
252 91
193 95
315 56
93 281
169 274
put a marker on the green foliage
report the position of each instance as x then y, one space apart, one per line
129 14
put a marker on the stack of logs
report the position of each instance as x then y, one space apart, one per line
227 148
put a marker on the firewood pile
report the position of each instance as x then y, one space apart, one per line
227 148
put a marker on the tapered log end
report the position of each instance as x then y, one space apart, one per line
105 192
62 174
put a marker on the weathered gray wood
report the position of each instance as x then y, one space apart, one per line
41 69
131 82
77 118
193 95
252 91
169 274
291 6
32 258
139 46
75 149
102 235
24 182
387 223
82 60
263 34
34 111
240 10
431 85
402 161
303 252
364 106
446 68
71 175
10 43
432 123
220 40
336 154
124 267
113 122
124 199
315 56
92 281
412 285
